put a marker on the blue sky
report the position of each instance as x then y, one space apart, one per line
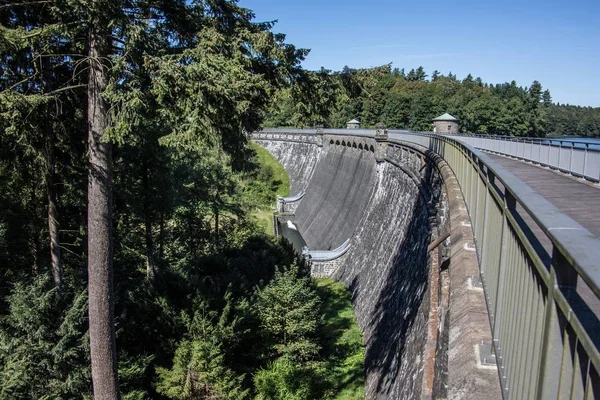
554 42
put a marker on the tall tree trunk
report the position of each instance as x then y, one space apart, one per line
161 237
216 213
148 222
36 245
100 247
52 205
50 177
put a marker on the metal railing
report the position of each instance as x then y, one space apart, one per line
569 156
540 271
545 335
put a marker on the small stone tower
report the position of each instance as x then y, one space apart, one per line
445 124
353 124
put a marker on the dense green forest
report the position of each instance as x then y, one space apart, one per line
411 100
132 264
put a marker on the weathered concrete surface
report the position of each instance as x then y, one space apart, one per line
386 270
390 208
467 314
380 208
340 188
298 159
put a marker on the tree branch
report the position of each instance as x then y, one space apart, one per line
26 3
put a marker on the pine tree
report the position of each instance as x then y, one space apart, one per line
288 308
199 370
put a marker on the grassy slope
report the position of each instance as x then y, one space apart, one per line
343 344
264 214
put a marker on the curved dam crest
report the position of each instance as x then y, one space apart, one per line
387 213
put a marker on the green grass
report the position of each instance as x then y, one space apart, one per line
280 183
265 219
280 176
343 346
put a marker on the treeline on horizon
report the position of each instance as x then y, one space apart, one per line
410 100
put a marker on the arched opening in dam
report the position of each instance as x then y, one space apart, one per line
386 207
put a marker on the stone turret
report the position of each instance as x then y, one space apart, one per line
381 137
353 124
446 124
319 133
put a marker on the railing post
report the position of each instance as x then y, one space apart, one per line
571 159
549 377
585 152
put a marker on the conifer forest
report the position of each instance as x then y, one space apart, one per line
135 260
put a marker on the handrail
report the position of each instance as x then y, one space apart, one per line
575 242
555 141
576 158
327 255
291 199
546 337
540 324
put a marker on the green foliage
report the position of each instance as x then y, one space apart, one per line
341 337
43 345
567 120
199 370
338 371
283 379
409 101
269 180
262 185
187 82
288 310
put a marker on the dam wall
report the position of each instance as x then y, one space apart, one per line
341 186
386 209
298 158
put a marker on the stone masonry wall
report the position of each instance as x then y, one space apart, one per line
386 267
421 319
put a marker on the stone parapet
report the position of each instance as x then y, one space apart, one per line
467 312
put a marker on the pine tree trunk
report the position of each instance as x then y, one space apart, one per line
50 178
53 226
161 238
100 248
216 212
36 245
148 223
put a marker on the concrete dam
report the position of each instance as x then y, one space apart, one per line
371 213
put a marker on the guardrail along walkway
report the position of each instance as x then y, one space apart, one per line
579 200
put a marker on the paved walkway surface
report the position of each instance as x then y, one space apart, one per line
578 199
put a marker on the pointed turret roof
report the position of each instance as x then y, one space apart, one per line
353 121
446 117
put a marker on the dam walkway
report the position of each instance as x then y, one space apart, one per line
577 198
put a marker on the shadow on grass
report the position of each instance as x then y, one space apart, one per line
342 340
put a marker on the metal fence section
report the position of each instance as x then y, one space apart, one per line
540 269
572 157
545 335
